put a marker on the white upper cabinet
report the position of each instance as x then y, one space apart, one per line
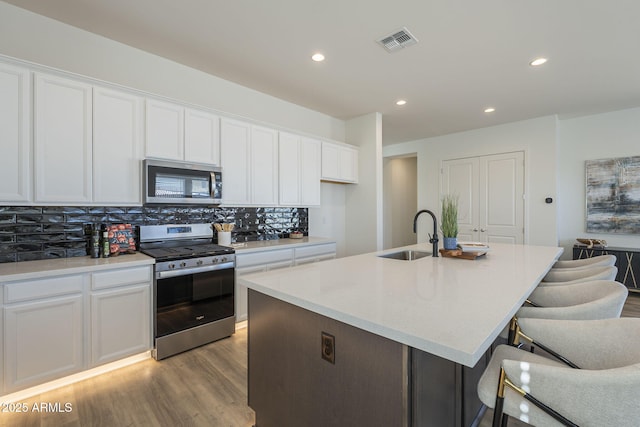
201 137
264 166
299 170
339 163
62 140
164 130
235 141
15 134
177 133
117 146
249 158
310 171
289 158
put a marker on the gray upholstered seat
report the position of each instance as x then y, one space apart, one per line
576 275
596 261
602 393
599 299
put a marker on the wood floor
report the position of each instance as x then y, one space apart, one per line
206 386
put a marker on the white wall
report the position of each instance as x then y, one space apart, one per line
31 37
602 136
364 201
400 198
536 137
328 220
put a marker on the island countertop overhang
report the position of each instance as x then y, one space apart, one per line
452 308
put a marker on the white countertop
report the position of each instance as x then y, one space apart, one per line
54 267
452 308
266 245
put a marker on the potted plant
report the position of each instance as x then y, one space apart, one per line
449 224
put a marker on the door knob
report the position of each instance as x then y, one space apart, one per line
475 229
482 230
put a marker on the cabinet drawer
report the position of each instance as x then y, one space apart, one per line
43 288
126 276
315 250
266 257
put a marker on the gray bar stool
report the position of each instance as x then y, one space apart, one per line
599 390
563 276
595 261
599 299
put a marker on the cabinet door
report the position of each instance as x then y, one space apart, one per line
241 291
289 169
120 323
201 137
264 166
339 163
330 161
15 134
348 164
235 140
164 130
310 155
63 146
43 341
117 147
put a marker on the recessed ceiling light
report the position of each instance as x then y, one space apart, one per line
489 110
318 57
537 62
401 102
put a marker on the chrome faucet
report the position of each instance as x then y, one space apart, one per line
432 239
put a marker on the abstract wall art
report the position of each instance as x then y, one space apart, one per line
613 195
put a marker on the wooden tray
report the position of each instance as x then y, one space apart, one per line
457 253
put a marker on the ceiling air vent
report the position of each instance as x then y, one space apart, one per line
397 40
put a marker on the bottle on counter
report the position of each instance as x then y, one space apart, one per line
95 243
105 244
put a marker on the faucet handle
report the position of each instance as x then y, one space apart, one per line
432 239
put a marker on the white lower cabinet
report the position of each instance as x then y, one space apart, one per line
272 259
44 323
120 314
256 262
315 253
43 332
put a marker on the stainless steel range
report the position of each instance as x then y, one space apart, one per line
193 286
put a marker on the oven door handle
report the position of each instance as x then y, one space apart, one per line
176 273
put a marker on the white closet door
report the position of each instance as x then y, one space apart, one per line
502 198
460 178
491 192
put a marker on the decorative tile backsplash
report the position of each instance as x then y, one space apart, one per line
32 232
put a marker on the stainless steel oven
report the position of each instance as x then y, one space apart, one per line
193 292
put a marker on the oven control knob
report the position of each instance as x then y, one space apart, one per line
224 259
172 266
199 262
215 260
183 264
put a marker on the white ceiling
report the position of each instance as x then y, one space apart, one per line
471 54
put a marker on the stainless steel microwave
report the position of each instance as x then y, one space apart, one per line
173 182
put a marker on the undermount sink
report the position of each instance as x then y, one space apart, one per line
407 255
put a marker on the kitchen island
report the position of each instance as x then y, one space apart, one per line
368 340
